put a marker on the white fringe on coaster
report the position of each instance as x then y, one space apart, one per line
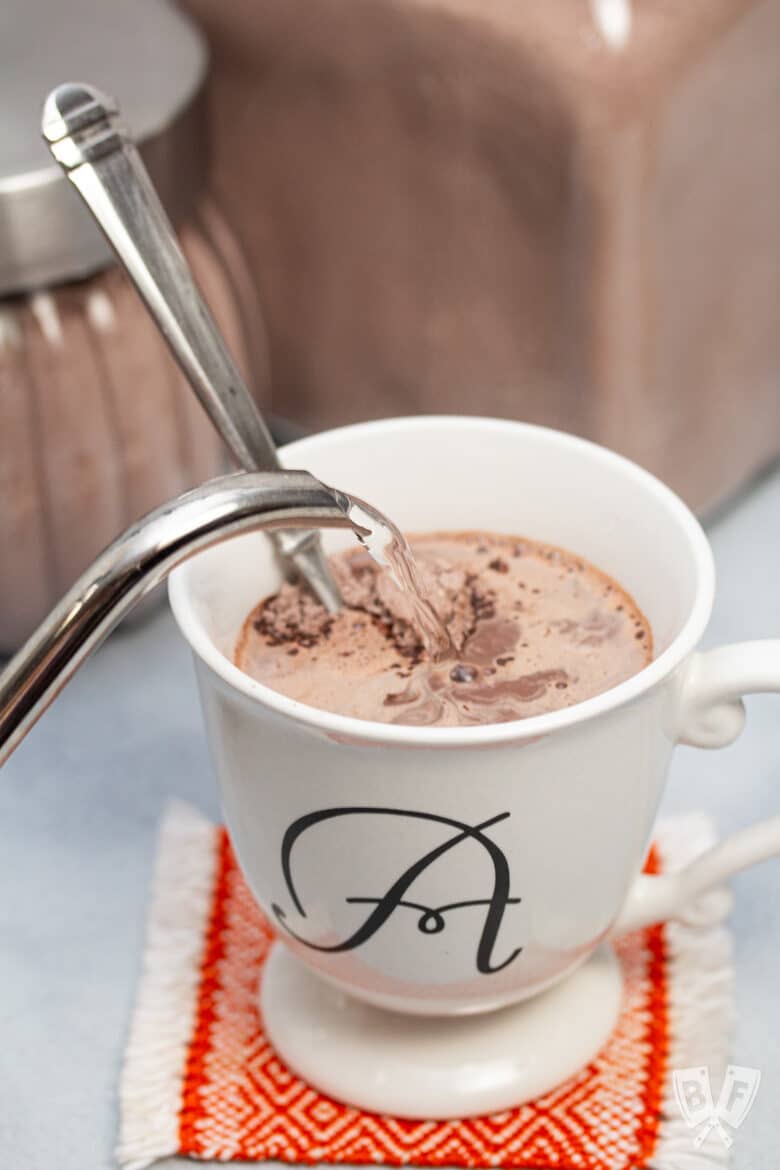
701 1001
700 983
161 1028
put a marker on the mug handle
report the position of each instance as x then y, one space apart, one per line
711 714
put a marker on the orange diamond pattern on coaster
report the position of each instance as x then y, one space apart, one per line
240 1102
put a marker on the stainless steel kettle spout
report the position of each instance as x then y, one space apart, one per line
140 559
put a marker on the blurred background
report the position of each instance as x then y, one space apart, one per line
563 212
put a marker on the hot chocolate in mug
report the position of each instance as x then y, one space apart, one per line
442 873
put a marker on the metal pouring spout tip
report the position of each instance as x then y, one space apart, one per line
141 558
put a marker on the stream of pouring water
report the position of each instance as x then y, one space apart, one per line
389 548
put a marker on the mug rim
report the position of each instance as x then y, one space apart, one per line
350 729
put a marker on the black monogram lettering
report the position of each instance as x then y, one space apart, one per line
431 918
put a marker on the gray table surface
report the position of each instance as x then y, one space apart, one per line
81 801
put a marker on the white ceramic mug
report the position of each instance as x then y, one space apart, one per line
455 870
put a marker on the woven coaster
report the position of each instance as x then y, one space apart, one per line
201 1079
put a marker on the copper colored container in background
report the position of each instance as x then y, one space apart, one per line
563 211
97 425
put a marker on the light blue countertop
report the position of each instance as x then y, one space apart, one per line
81 801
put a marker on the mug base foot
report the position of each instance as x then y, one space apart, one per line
437 1067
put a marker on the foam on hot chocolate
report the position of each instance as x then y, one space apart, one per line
534 629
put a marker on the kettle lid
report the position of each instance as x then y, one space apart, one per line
153 60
